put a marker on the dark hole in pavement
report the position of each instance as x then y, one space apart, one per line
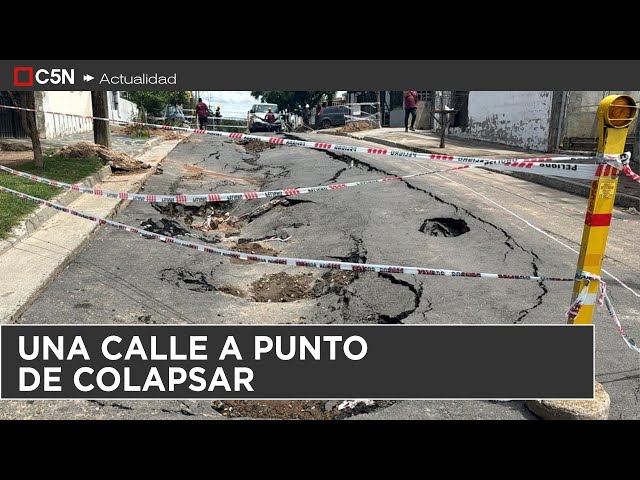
164 226
146 319
444 227
183 278
282 287
201 210
83 305
293 409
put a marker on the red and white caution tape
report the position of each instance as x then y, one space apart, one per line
624 162
629 173
317 145
589 172
601 298
356 267
582 171
213 197
296 262
621 162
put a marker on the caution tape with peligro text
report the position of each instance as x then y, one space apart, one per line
355 267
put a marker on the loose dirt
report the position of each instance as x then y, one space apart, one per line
291 409
282 287
253 146
356 127
118 161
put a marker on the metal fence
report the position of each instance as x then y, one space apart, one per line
10 121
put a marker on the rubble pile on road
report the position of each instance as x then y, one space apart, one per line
296 409
118 161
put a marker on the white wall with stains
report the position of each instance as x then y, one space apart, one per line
516 118
76 102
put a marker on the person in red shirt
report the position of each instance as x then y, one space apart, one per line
202 111
410 107
270 117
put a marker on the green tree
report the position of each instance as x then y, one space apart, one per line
156 100
293 101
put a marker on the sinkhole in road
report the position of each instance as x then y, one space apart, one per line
179 210
444 227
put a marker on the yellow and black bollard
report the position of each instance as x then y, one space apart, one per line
615 115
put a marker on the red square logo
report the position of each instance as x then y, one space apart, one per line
27 72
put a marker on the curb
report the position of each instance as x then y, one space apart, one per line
596 409
622 199
35 219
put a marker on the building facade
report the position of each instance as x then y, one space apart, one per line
536 120
57 124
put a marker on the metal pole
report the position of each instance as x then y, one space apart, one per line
444 121
615 114
636 145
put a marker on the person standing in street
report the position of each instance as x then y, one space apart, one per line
306 114
217 117
410 107
202 111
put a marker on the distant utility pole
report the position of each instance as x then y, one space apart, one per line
380 111
101 128
636 144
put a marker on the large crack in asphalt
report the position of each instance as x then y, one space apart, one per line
509 242
523 313
417 295
184 409
358 254
110 404
204 159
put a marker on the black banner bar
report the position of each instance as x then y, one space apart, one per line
297 362
320 74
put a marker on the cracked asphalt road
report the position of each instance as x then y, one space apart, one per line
122 278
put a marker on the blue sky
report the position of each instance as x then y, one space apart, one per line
232 102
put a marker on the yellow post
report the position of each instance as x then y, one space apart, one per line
615 114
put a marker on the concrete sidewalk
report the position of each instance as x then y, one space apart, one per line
33 260
628 194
